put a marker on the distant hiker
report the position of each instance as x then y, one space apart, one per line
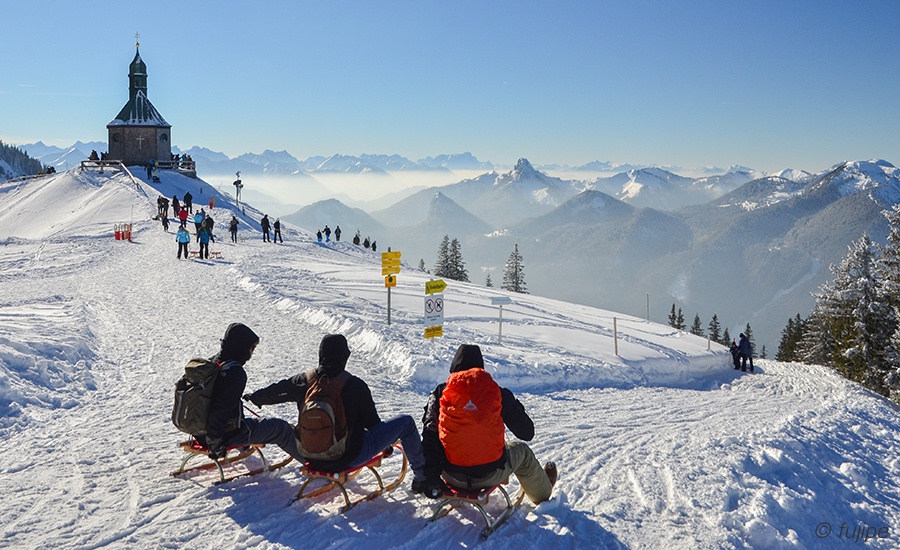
183 216
203 240
188 200
277 227
212 200
182 238
464 435
265 228
327 232
198 222
209 222
363 434
233 227
226 425
373 246
337 233
746 352
165 223
159 205
366 243
165 206
319 235
176 207
735 355
356 238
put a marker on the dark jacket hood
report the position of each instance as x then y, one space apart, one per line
468 356
333 354
238 343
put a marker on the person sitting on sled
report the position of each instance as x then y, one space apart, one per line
463 434
226 425
363 434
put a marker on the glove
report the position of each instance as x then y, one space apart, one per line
430 488
249 397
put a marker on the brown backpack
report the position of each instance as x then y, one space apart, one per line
322 427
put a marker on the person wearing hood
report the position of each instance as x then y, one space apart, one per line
226 425
463 434
367 434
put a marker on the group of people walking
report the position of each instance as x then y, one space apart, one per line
742 353
462 443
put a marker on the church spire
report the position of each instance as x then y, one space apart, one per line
137 71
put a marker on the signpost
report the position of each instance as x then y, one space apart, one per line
501 301
434 308
390 265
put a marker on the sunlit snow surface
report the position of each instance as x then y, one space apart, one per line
662 445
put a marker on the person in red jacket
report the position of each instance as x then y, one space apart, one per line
463 437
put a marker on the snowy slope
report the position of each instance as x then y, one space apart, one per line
662 445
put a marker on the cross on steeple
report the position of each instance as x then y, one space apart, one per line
137 39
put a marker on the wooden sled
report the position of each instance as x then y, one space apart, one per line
478 498
339 479
194 450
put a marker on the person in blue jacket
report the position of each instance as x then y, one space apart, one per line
182 238
203 239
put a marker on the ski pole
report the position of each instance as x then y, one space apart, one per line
251 411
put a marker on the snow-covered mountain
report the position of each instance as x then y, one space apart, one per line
659 442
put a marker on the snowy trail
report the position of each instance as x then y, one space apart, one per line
686 454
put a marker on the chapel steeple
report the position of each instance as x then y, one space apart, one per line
137 71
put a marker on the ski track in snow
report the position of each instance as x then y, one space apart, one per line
722 460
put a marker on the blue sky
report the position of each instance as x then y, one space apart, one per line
770 85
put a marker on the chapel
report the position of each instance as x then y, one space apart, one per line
139 134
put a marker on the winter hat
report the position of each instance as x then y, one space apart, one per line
238 343
468 356
333 354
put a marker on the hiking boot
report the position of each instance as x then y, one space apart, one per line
550 470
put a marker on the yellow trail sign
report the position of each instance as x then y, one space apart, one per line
432 332
390 280
433 287
390 270
395 255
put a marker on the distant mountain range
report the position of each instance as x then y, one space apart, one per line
753 253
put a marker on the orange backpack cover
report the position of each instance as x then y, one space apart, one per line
470 424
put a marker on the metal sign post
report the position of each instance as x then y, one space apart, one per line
500 301
390 265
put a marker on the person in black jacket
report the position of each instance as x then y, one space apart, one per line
517 456
226 425
368 435
264 223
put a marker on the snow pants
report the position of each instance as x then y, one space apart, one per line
520 461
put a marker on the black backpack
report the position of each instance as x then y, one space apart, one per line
193 395
322 426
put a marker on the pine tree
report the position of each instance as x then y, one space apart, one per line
456 265
889 275
422 265
762 354
787 347
673 318
679 321
715 329
856 319
487 281
726 338
697 326
816 346
514 273
442 264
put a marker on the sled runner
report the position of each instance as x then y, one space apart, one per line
455 497
340 479
194 449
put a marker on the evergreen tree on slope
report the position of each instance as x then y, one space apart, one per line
514 273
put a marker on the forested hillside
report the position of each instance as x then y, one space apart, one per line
15 162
